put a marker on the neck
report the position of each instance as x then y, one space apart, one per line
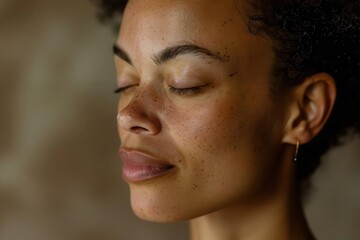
271 222
277 216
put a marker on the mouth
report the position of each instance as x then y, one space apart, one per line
139 166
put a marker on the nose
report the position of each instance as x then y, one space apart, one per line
139 116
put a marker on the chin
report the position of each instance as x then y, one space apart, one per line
151 211
154 204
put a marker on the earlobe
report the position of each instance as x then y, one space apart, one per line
312 104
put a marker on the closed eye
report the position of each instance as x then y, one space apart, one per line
186 91
123 89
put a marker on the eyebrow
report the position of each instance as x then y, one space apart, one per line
171 53
121 54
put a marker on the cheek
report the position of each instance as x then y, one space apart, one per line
223 145
217 124
202 134
203 127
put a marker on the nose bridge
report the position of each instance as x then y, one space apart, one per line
139 115
143 101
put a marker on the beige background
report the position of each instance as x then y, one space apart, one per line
59 170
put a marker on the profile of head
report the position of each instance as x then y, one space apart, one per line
215 95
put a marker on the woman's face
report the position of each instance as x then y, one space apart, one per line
198 104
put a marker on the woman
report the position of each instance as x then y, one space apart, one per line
226 106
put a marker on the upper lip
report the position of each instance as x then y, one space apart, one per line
139 157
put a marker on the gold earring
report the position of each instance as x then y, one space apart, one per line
296 151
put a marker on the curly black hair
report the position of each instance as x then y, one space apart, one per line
110 8
309 36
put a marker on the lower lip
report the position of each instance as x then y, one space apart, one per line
139 173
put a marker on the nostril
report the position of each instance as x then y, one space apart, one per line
137 129
138 118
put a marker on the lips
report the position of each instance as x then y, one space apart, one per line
139 166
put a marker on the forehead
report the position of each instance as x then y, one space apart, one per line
218 25
201 8
172 21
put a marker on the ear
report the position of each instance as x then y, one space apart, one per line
310 107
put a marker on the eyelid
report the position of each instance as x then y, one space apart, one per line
122 89
193 86
183 80
125 81
188 91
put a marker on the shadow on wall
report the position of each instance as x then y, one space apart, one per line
59 169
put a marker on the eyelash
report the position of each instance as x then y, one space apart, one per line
122 89
185 91
179 91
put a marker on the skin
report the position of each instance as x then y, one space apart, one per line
231 143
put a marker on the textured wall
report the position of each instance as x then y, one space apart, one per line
59 170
